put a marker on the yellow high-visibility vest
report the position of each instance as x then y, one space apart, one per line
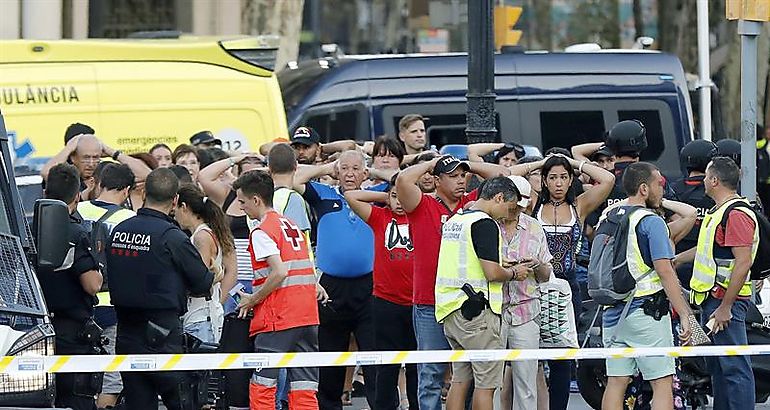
92 213
458 264
651 283
281 201
709 270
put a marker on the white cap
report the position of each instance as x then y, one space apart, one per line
525 189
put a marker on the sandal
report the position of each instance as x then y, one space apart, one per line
444 392
346 398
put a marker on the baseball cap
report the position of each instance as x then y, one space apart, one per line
602 151
305 136
447 164
525 189
204 137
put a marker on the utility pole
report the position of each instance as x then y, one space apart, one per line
480 115
704 70
750 15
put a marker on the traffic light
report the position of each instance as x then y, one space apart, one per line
505 18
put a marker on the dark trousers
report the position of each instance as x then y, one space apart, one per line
74 390
235 339
141 389
560 374
393 331
732 378
348 312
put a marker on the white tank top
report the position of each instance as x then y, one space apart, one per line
207 309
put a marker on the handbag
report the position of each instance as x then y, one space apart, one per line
557 317
698 336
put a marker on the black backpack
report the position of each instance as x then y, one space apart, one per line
760 269
100 235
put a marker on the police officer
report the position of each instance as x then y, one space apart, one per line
695 156
69 292
153 267
626 140
730 148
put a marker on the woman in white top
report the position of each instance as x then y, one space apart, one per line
211 236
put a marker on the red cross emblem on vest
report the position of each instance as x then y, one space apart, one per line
292 234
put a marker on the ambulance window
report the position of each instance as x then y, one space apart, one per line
651 121
566 128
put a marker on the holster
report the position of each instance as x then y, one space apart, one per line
474 305
657 306
155 334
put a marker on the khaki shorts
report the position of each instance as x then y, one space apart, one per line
480 333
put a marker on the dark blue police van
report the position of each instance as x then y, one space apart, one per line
543 99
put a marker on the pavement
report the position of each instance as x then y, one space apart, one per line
575 403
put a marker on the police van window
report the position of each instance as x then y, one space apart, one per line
337 125
449 129
567 128
651 121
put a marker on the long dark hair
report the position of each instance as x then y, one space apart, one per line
210 212
545 194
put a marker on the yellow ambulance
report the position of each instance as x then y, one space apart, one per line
137 93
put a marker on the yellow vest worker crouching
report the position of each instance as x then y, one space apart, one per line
471 254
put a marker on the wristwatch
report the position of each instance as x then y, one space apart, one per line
116 154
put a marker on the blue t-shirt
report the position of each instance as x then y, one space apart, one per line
652 237
345 245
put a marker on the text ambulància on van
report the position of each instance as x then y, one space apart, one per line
39 95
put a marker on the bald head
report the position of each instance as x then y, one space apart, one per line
87 155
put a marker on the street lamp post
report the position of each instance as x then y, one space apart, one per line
480 115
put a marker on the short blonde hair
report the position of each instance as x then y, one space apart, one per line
408 120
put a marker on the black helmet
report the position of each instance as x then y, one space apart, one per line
627 137
695 156
729 148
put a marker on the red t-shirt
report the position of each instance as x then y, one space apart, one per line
740 230
392 256
425 224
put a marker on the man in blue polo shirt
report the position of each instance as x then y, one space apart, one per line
345 257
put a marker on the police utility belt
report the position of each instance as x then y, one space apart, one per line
475 304
87 332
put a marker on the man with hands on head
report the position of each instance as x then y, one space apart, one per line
85 151
427 213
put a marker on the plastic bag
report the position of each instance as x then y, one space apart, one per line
557 318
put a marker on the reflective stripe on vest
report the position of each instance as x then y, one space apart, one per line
458 264
294 280
637 267
290 266
708 270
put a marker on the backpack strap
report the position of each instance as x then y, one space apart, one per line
736 204
626 308
105 216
